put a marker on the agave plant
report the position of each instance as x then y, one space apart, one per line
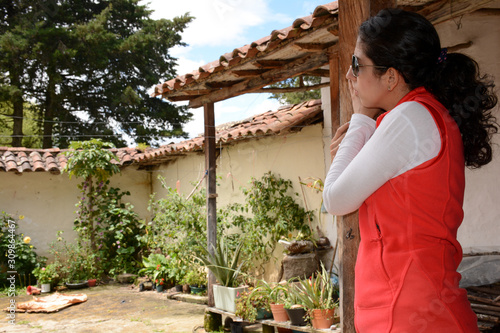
317 292
223 263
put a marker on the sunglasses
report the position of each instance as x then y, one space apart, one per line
355 66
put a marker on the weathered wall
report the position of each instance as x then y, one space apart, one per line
47 201
480 229
291 156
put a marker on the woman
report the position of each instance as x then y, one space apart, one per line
404 171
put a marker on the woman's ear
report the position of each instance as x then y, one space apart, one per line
393 78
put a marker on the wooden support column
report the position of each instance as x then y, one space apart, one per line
333 64
211 189
351 15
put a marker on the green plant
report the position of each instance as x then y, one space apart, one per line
317 292
156 266
46 274
195 277
223 263
274 214
251 301
16 251
110 226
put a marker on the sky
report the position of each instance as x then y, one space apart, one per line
219 27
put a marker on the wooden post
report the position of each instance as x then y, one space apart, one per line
351 15
211 189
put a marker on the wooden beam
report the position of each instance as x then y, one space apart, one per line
293 68
248 72
313 47
278 63
351 15
221 84
211 188
319 72
444 10
291 89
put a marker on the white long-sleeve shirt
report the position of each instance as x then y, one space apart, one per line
369 156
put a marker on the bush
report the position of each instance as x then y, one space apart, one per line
22 257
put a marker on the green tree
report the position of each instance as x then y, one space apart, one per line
88 65
297 97
31 137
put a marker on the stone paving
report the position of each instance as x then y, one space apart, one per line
112 308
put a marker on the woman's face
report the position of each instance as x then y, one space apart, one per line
371 89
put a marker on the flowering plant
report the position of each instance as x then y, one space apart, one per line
156 266
46 274
160 281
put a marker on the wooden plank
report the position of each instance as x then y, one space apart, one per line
211 189
319 72
443 10
293 68
221 84
274 63
292 89
313 47
248 72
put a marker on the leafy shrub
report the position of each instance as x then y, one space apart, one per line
22 257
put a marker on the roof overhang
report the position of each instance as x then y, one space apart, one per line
302 48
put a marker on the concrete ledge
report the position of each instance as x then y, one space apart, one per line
196 299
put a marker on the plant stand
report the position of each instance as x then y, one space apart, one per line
268 325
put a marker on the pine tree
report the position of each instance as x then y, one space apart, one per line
88 65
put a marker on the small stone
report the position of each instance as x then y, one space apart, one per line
126 278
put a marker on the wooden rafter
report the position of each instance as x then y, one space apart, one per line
221 84
278 63
248 72
292 89
319 72
444 10
292 68
313 47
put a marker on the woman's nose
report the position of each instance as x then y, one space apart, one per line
349 74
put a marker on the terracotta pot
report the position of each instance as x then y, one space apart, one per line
92 282
279 312
322 318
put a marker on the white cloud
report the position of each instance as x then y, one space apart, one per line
217 22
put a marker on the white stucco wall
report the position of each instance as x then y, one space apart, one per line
290 156
480 231
47 201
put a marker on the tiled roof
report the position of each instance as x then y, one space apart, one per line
264 44
265 58
286 119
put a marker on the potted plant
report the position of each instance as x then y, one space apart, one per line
317 295
156 266
293 306
45 276
159 284
224 264
196 278
253 304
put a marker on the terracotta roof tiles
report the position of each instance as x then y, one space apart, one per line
286 119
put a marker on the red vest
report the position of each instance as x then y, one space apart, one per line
406 279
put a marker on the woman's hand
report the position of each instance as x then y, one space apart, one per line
359 108
337 139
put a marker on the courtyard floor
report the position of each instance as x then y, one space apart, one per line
110 308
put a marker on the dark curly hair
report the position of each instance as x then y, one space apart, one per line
409 43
